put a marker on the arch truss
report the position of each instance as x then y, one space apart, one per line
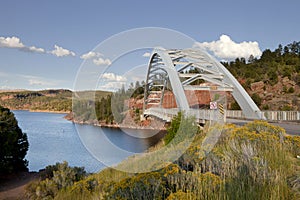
181 69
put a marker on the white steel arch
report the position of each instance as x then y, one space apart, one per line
170 65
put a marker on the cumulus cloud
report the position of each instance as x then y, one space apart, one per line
111 81
101 61
15 42
91 55
11 42
97 58
33 49
60 52
113 77
147 54
111 86
226 48
36 49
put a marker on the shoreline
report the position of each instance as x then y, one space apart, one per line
117 126
70 117
50 111
42 111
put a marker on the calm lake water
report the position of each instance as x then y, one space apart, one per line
53 139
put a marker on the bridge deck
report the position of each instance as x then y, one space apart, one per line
202 114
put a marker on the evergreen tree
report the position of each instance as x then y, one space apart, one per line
13 143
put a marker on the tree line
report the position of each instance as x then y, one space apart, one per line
283 61
107 108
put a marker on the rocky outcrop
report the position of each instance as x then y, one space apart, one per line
285 93
258 87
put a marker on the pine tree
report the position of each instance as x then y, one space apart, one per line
13 144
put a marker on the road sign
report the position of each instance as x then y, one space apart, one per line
213 105
221 109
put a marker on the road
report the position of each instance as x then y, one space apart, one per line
290 127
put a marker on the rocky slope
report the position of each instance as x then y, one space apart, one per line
284 95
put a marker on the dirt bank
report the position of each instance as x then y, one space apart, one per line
13 186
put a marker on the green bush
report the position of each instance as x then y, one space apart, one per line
291 90
181 127
256 98
55 178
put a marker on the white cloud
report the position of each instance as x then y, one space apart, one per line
227 49
11 42
36 49
111 82
113 77
111 86
15 42
90 55
33 49
60 52
147 54
37 82
97 58
101 61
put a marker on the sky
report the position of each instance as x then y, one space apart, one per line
44 44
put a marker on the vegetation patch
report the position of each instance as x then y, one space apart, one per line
255 161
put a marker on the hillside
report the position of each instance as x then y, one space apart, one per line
273 81
59 100
44 100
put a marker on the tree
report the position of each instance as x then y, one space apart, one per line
279 50
256 98
251 59
294 47
13 144
267 55
138 89
286 50
182 127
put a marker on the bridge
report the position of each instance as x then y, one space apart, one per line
189 80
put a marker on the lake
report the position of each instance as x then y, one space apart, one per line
54 139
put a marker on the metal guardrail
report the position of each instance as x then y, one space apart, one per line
168 114
269 115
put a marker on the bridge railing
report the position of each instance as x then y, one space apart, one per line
270 115
168 114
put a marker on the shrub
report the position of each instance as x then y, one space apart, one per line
57 177
256 98
181 127
291 90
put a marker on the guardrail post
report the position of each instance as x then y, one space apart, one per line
284 116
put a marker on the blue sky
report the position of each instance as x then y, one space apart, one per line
42 42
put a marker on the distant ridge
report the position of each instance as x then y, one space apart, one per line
12 90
